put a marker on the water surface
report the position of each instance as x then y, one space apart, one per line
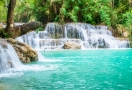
104 69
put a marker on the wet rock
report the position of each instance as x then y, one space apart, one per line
3 43
20 43
71 45
22 48
101 43
24 51
10 63
107 45
11 40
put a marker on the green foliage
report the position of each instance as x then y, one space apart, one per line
3 11
4 34
39 29
108 12
24 10
127 18
90 11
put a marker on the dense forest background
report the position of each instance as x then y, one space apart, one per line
102 12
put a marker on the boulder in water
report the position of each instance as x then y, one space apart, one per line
71 45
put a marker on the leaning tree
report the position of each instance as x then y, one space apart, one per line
15 31
10 17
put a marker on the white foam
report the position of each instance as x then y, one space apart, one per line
10 74
21 69
42 59
36 67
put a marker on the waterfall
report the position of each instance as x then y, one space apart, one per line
88 36
65 33
8 57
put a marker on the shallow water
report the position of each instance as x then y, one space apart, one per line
104 69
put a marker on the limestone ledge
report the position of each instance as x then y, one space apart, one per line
24 51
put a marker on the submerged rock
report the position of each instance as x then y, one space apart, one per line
71 45
24 51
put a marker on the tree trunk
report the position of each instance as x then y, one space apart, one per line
130 3
16 31
10 19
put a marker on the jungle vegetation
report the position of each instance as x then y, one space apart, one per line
106 12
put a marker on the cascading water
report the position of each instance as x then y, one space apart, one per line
10 63
88 36
8 57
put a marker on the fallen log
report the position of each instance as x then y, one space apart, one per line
20 30
23 29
